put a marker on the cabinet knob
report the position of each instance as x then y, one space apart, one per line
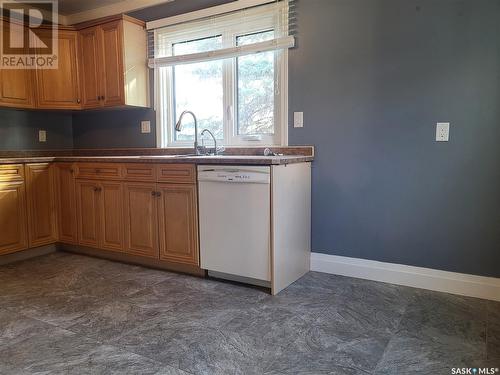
78 101
153 193
158 193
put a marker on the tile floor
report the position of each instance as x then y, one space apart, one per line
71 314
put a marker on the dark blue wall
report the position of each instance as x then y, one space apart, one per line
19 130
373 77
113 128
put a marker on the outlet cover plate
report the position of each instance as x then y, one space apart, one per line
145 126
298 119
42 136
442 132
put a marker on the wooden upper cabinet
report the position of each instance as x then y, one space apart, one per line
16 85
101 63
66 203
42 219
113 89
60 88
89 65
113 66
178 223
141 221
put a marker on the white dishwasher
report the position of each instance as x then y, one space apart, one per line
234 205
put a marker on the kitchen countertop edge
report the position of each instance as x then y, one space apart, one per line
224 159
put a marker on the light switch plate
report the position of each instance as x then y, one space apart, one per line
298 119
442 132
42 136
145 126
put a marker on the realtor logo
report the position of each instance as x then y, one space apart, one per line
29 34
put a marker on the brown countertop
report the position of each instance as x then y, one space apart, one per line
221 159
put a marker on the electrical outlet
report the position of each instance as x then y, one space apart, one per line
442 132
145 126
42 136
298 119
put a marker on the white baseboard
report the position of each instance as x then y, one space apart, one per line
417 277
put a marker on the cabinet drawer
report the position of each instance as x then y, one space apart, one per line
11 172
108 171
177 173
139 172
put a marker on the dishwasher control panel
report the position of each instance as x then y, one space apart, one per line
255 175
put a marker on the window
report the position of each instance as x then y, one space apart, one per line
242 100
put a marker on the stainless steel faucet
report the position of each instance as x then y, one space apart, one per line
213 137
178 127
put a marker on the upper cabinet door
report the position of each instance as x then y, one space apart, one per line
59 88
42 221
90 66
16 85
112 63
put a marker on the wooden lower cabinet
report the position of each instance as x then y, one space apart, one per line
45 203
141 219
178 223
111 223
100 214
13 233
66 203
87 207
41 199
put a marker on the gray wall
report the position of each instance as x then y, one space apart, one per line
113 128
19 130
373 77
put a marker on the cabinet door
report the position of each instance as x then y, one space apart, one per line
42 221
90 63
87 206
59 88
16 89
13 233
66 203
111 215
141 224
178 223
112 63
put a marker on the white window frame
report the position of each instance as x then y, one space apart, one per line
229 29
